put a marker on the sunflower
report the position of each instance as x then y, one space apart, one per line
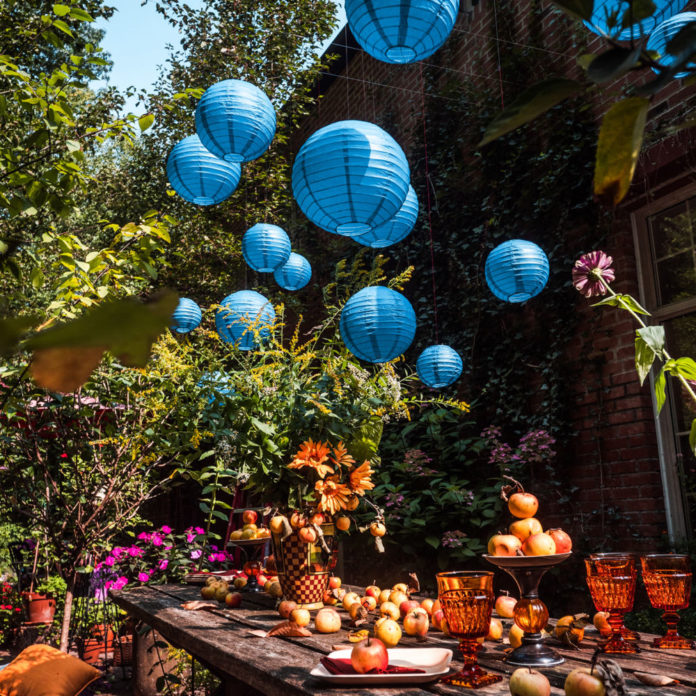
313 455
341 457
334 495
360 478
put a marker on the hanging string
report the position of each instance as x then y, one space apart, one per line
427 196
345 34
497 46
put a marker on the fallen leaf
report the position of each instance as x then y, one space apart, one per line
198 605
288 628
357 636
654 679
64 369
413 584
257 632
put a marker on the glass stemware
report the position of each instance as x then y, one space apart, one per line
667 579
612 582
467 601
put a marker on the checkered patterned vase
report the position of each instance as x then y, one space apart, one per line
303 569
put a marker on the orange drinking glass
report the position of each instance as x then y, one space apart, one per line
467 602
667 579
612 582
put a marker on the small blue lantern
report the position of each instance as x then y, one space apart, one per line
607 18
664 34
377 324
396 229
266 247
242 316
401 31
235 120
187 316
218 385
294 273
198 176
517 270
439 366
349 177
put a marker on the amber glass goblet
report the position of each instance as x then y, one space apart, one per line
667 579
612 582
467 602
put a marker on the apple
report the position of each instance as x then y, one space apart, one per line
261 579
505 606
233 599
582 682
495 630
208 591
307 535
334 582
436 605
523 504
427 604
240 581
249 516
401 587
601 623
391 610
397 596
444 627
276 524
377 529
356 611
327 620
416 623
503 545
539 545
235 535
286 607
438 617
370 603
562 540
565 624
274 589
342 523
368 655
515 636
408 605
329 598
383 596
350 598
525 528
373 591
301 617
388 631
526 681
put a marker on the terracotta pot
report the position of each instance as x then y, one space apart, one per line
303 568
39 608
100 642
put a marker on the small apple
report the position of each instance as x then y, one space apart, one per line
565 624
301 617
383 596
505 606
221 592
390 609
297 520
389 632
249 516
525 528
523 504
370 603
240 581
377 529
276 524
601 623
526 681
274 589
329 598
373 591
208 591
357 611
397 596
327 620
515 636
495 630
286 607
317 518
408 605
352 503
427 604
233 599
342 523
235 535
562 540
539 545
334 582
350 598
401 587
307 535
504 545
438 617
416 623
582 682
368 655
436 605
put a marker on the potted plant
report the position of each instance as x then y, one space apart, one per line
40 600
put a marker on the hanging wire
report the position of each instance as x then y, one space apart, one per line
497 46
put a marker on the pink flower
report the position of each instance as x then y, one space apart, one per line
117 552
199 530
588 271
135 552
156 539
163 564
196 554
143 577
166 529
144 536
190 536
120 582
109 561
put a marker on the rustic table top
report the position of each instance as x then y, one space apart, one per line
280 666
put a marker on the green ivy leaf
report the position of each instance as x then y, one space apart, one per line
433 541
618 147
660 385
146 121
654 337
533 102
580 9
692 436
644 358
612 64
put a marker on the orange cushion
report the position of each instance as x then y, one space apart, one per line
41 670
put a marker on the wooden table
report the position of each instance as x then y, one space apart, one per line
250 665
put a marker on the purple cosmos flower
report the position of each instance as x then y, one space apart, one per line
166 529
589 269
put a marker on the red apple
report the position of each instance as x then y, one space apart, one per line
523 504
562 540
286 607
503 545
416 623
261 579
539 545
334 582
505 606
249 516
408 605
233 599
438 617
427 604
581 682
526 681
369 654
373 591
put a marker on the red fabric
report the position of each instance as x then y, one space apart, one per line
344 666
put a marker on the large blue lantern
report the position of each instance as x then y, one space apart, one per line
266 247
401 31
235 120
294 274
439 366
242 317
377 324
187 316
607 18
198 176
664 33
517 270
396 229
349 177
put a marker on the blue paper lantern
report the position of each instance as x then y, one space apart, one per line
439 366
608 12
266 247
242 316
396 229
235 120
187 316
349 177
664 33
198 176
218 385
377 324
517 270
401 31
294 273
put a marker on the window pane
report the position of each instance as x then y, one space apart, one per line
681 343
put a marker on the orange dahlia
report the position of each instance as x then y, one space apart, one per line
341 457
334 495
360 478
313 455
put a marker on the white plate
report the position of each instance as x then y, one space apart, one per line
434 661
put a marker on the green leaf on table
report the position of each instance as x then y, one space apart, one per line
660 386
644 358
618 147
637 11
654 336
612 64
692 436
146 121
580 9
622 301
533 102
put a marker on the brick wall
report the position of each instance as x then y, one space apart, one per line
613 457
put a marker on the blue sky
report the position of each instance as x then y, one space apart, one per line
137 37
